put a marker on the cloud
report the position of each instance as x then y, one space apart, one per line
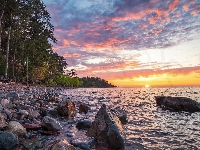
100 29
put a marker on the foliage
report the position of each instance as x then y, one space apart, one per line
95 82
26 37
65 81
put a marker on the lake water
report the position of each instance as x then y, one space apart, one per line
148 127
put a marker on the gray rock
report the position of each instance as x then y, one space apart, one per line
12 96
51 113
34 114
16 128
177 103
3 122
32 144
83 124
3 102
8 140
51 124
107 128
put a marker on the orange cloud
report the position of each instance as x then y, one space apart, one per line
72 55
185 7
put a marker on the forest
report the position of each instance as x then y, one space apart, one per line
26 48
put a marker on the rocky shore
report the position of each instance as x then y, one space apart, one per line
41 117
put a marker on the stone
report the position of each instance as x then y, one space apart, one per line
51 124
31 126
23 112
62 145
32 144
83 124
16 128
3 102
12 95
34 114
3 122
8 113
83 108
8 140
51 113
66 108
177 103
107 128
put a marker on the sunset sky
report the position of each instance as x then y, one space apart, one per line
130 42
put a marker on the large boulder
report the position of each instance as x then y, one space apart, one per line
51 124
177 103
8 140
16 128
107 128
66 108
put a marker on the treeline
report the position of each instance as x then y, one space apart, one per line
95 82
26 38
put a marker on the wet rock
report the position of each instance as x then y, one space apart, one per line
9 105
62 145
66 108
8 140
16 128
84 108
83 124
51 124
3 122
121 114
107 128
177 103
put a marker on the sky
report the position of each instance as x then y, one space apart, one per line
130 43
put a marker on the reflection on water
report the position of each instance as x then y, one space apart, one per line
148 127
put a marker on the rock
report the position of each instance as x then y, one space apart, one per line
84 108
66 108
177 103
62 145
51 124
32 126
8 140
51 113
23 112
3 102
34 114
107 128
12 96
83 124
8 113
16 128
3 122
32 144
9 105
81 145
121 114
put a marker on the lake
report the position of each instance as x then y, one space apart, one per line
148 127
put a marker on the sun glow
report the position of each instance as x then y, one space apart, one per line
147 86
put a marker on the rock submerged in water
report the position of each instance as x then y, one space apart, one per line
107 128
177 103
83 124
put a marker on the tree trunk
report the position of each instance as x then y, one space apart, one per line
13 66
7 53
1 16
